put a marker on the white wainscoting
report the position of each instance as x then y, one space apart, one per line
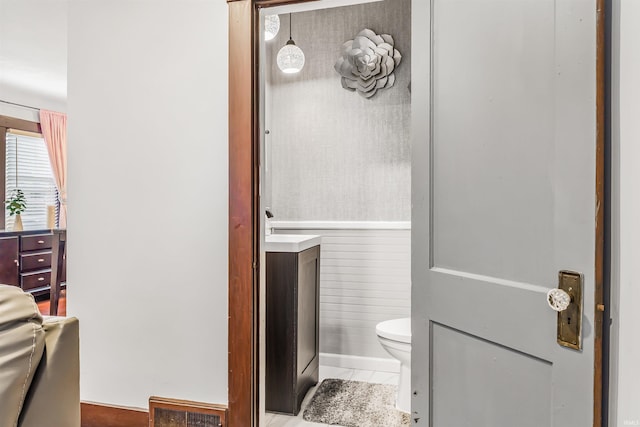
365 278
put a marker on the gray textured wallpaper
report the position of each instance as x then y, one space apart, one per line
333 155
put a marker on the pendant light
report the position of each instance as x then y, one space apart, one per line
290 58
271 26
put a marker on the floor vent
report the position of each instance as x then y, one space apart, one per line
165 412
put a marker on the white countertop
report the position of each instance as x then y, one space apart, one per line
290 242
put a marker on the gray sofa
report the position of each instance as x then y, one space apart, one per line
39 365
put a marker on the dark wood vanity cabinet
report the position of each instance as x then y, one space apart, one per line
292 328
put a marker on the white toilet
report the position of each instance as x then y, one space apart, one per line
395 337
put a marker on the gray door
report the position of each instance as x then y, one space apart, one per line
504 117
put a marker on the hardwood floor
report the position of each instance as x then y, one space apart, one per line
43 305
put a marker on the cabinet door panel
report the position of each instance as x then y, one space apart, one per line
307 308
9 261
280 332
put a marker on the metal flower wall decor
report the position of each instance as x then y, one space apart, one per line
367 63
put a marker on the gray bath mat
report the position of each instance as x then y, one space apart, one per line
355 404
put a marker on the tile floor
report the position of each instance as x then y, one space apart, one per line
278 420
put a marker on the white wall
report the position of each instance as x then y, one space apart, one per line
148 186
36 100
334 155
19 112
33 56
625 384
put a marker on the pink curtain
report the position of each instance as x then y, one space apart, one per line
54 130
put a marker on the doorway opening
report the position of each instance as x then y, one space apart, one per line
245 234
336 179
32 243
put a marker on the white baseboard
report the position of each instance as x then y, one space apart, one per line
359 362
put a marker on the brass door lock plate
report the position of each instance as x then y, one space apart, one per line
570 319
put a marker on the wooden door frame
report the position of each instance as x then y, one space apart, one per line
244 207
600 363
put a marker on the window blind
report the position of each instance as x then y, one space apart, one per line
28 168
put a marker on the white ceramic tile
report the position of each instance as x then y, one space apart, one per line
278 420
333 372
287 421
362 375
384 378
267 418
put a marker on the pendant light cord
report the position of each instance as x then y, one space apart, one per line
290 25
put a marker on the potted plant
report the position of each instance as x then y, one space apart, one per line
16 204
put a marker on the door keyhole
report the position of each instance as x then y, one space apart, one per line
568 320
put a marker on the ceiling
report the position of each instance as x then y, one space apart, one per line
33 52
313 5
33 49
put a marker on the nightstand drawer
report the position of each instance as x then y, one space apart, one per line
35 280
35 261
35 242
